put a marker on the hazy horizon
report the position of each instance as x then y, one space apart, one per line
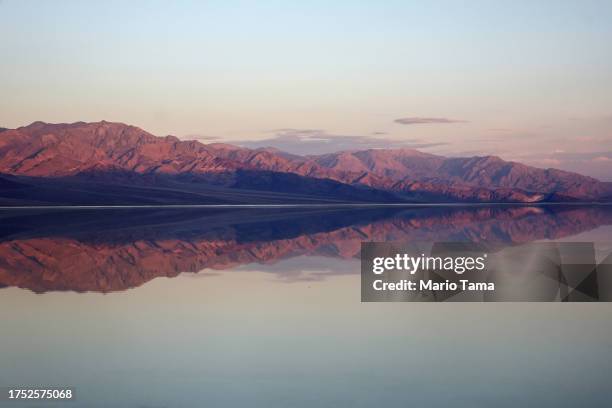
527 81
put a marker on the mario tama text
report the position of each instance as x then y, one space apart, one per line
458 271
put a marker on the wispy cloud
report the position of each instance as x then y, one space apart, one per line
318 141
201 137
426 121
581 157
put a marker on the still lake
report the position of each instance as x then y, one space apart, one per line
261 307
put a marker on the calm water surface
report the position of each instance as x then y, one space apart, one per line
234 308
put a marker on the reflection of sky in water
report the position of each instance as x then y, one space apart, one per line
306 268
244 337
238 340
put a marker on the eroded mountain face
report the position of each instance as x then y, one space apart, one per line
120 154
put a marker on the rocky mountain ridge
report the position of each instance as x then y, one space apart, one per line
118 153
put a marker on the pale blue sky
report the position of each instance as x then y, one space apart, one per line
531 80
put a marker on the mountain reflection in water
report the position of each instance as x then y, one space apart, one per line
118 249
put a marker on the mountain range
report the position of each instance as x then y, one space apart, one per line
113 163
